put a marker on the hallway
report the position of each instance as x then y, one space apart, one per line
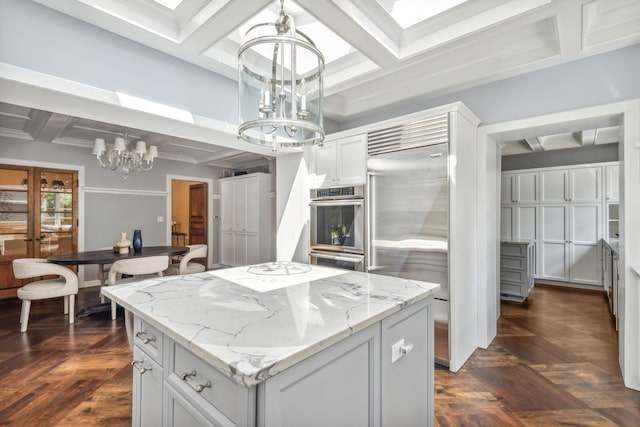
554 362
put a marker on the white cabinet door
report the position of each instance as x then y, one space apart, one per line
553 252
227 196
526 187
585 184
526 228
553 186
147 386
251 252
239 249
612 183
507 223
240 205
506 189
252 212
324 164
351 160
584 235
400 371
227 249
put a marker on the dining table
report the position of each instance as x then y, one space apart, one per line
104 257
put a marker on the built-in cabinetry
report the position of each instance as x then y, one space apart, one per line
610 274
516 269
339 162
519 213
561 209
38 217
612 201
246 219
365 379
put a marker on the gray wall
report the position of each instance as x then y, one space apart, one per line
572 156
595 80
109 212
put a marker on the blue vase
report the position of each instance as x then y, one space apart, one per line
137 241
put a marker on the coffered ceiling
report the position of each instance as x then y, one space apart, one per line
379 53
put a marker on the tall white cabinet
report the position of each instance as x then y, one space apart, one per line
561 209
246 219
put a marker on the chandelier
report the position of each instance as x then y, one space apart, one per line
118 157
280 86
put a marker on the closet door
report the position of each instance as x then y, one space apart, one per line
554 255
584 234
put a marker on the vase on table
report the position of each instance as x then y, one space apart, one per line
137 241
123 244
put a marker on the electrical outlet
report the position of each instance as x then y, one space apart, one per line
160 219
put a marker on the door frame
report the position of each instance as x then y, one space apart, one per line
490 141
209 182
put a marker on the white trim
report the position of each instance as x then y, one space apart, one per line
125 191
210 197
627 114
576 166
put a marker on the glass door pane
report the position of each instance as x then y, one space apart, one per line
14 221
56 216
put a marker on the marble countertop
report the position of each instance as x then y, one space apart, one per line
250 334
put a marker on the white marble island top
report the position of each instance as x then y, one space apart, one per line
252 335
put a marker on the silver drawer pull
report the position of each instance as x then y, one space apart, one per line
198 387
187 375
142 370
145 340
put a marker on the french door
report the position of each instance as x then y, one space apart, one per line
38 217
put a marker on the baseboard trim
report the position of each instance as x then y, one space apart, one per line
569 285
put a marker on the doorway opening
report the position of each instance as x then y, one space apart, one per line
189 220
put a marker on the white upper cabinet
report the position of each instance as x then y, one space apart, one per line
612 183
576 185
554 186
520 188
585 184
340 162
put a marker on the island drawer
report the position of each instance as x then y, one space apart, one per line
217 396
513 263
148 339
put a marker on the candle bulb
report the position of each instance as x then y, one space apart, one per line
303 96
267 94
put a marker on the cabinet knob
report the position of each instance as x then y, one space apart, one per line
142 369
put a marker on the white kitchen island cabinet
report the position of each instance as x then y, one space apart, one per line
325 347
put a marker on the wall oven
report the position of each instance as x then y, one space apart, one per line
337 227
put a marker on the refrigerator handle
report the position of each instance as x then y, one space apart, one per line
371 222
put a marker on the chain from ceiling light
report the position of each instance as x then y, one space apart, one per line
280 102
118 157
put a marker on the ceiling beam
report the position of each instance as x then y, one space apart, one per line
341 23
535 144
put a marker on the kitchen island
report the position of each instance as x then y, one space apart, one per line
281 344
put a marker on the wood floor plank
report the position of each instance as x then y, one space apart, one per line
554 362
521 389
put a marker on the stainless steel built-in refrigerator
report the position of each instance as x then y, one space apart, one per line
408 220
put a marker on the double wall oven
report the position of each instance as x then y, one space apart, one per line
337 227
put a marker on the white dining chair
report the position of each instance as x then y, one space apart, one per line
186 267
65 285
140 268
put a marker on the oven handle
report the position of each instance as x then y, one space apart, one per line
354 258
341 202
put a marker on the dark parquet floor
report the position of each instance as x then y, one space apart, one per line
554 362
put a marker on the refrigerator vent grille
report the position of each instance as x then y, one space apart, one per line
430 131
